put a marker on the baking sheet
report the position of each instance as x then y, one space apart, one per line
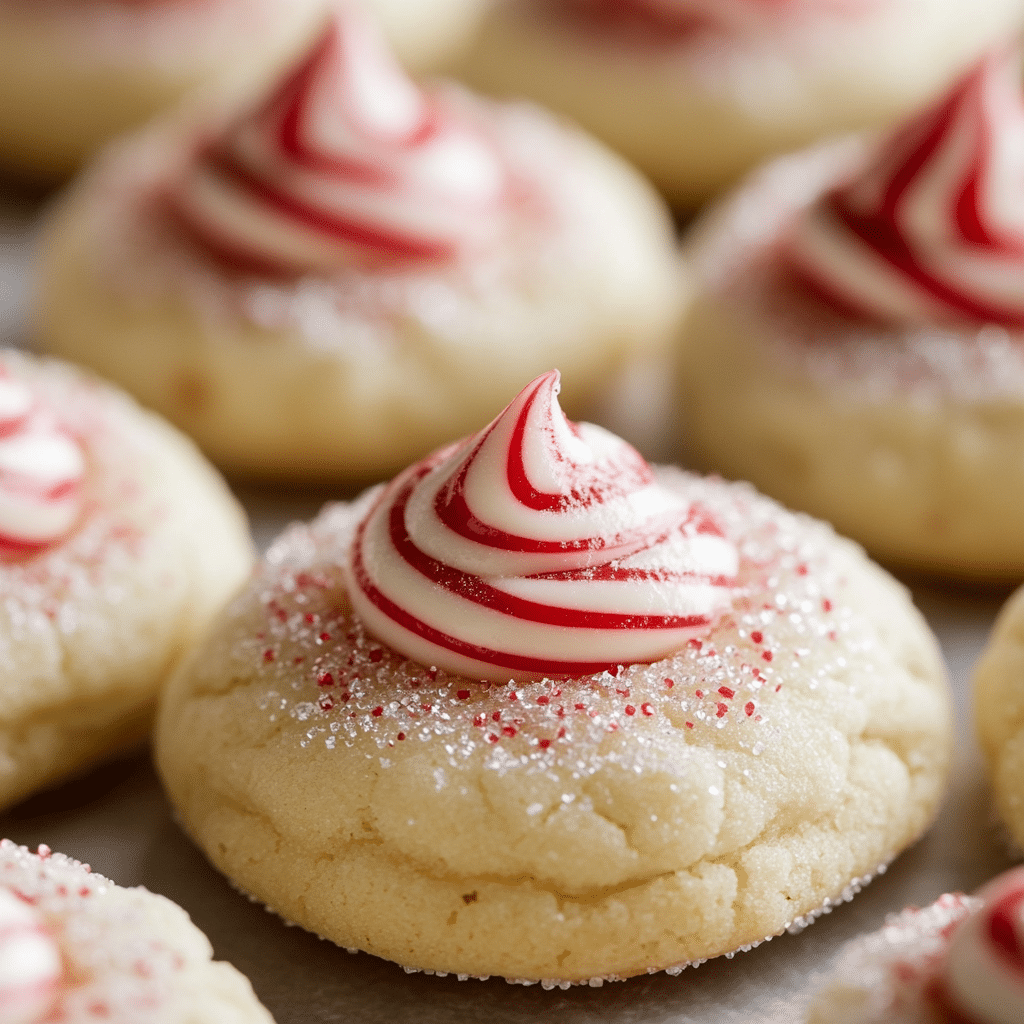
117 820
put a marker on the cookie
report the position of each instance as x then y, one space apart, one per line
854 346
539 710
118 543
999 713
75 947
695 92
959 960
74 75
356 271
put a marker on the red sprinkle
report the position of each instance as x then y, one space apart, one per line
700 693
722 710
757 636
544 744
327 636
726 692
543 700
268 655
669 683
826 604
508 731
749 708
325 679
647 709
767 655
462 694
377 711
630 710
401 736
479 721
689 725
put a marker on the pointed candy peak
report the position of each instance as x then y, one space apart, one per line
932 227
346 161
537 547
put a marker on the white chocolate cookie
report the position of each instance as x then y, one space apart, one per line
356 271
557 814
695 92
76 73
855 344
959 961
118 543
75 948
999 713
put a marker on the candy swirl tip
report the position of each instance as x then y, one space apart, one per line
537 547
932 228
346 163
42 469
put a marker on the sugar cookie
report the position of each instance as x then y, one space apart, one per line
356 271
959 961
76 948
118 543
855 348
655 718
695 92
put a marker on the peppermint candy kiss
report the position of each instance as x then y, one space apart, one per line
41 472
934 227
985 965
347 162
30 963
537 548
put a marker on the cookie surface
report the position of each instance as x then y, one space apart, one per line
695 94
77 948
876 384
343 327
117 545
604 826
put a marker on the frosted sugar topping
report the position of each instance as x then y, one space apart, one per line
42 468
30 963
984 971
537 548
932 229
345 162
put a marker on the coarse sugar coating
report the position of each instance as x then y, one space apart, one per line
76 948
999 713
118 543
563 830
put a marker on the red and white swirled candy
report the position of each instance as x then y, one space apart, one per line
537 547
347 162
933 229
41 472
30 963
984 974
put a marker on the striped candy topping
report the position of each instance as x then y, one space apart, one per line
30 962
41 473
346 162
933 228
984 976
537 547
